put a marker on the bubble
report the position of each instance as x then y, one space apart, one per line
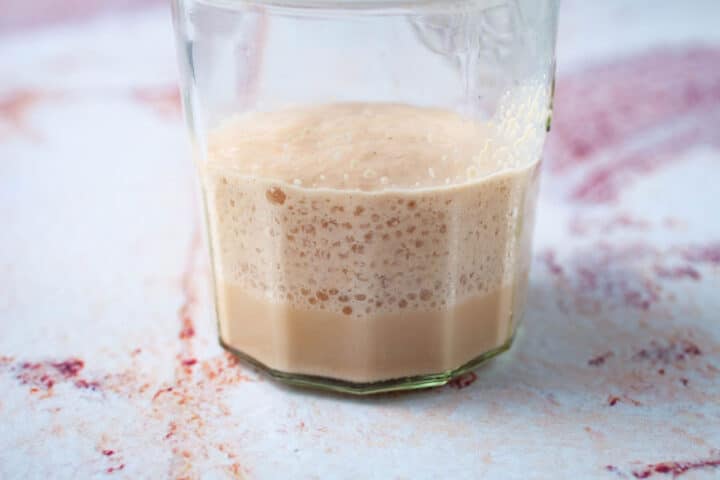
275 195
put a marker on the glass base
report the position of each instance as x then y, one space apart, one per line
383 386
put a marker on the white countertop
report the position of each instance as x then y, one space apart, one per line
616 370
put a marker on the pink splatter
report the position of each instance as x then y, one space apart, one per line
69 368
603 183
161 392
600 359
463 381
676 468
620 222
614 400
550 261
704 254
15 107
45 375
602 107
618 121
611 273
187 284
632 275
668 353
115 469
676 273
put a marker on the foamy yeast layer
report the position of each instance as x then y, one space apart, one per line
365 209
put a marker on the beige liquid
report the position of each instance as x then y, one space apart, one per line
366 242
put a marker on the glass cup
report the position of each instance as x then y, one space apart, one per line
369 172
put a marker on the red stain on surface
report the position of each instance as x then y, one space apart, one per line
188 330
15 106
161 391
89 385
677 273
676 469
614 400
171 431
603 183
187 284
600 359
550 261
236 470
613 469
603 106
108 453
69 368
115 469
668 353
612 275
625 119
463 381
164 100
621 222
633 275
188 362
45 375
704 254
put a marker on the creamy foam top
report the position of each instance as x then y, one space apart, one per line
359 146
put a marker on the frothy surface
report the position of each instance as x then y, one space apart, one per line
358 146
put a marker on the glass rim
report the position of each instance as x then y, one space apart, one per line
355 5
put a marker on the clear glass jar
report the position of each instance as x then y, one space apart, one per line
369 172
